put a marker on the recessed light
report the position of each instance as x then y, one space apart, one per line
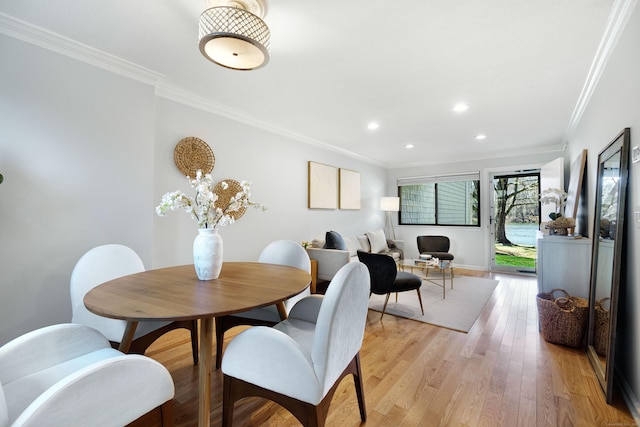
481 136
459 108
373 125
408 146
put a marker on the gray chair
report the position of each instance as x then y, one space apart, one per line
108 262
300 362
281 252
68 375
386 279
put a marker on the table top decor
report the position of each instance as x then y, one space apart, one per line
214 206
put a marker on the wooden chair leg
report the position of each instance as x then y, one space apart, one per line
166 412
194 341
357 378
220 329
309 415
227 402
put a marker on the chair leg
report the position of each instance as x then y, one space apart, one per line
384 307
420 299
220 329
194 341
227 402
309 415
166 412
357 378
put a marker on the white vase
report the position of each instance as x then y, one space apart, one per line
207 253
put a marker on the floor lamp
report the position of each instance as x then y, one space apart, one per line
390 204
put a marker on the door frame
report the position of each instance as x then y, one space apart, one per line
492 223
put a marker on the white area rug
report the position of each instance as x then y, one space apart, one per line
458 311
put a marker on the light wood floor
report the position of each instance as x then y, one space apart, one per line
502 373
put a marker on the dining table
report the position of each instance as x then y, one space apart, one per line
176 293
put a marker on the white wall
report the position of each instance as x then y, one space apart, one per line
86 156
277 168
615 104
76 152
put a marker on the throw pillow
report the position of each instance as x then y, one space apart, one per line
333 240
352 244
363 240
378 241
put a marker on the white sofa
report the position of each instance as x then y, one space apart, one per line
330 259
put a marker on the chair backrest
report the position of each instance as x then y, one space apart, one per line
4 411
292 254
340 325
433 244
99 265
382 271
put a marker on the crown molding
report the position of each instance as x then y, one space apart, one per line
41 37
38 36
170 92
504 154
620 13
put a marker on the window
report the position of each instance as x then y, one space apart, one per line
440 200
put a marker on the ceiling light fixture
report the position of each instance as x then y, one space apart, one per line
459 108
408 146
233 34
373 125
481 136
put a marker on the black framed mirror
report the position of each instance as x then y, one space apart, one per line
607 258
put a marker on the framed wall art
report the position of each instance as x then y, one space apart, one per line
323 186
349 194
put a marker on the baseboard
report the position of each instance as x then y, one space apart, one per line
631 400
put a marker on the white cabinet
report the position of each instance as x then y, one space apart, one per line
564 263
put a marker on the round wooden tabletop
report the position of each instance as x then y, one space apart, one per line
176 293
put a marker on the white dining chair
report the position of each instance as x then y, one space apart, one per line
69 375
281 252
300 362
108 262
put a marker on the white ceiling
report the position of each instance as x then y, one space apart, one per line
520 65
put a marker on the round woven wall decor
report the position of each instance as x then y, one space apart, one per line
224 196
192 154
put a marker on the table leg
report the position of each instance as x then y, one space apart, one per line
204 371
282 311
127 337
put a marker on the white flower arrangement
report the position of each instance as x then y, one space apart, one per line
203 208
556 196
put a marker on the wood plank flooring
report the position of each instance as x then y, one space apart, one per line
502 373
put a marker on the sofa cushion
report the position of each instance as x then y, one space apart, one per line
363 240
378 241
333 240
353 245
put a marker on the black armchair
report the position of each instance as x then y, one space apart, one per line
436 246
385 277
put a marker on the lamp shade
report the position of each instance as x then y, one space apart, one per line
390 204
234 38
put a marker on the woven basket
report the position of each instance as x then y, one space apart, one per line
563 320
601 327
